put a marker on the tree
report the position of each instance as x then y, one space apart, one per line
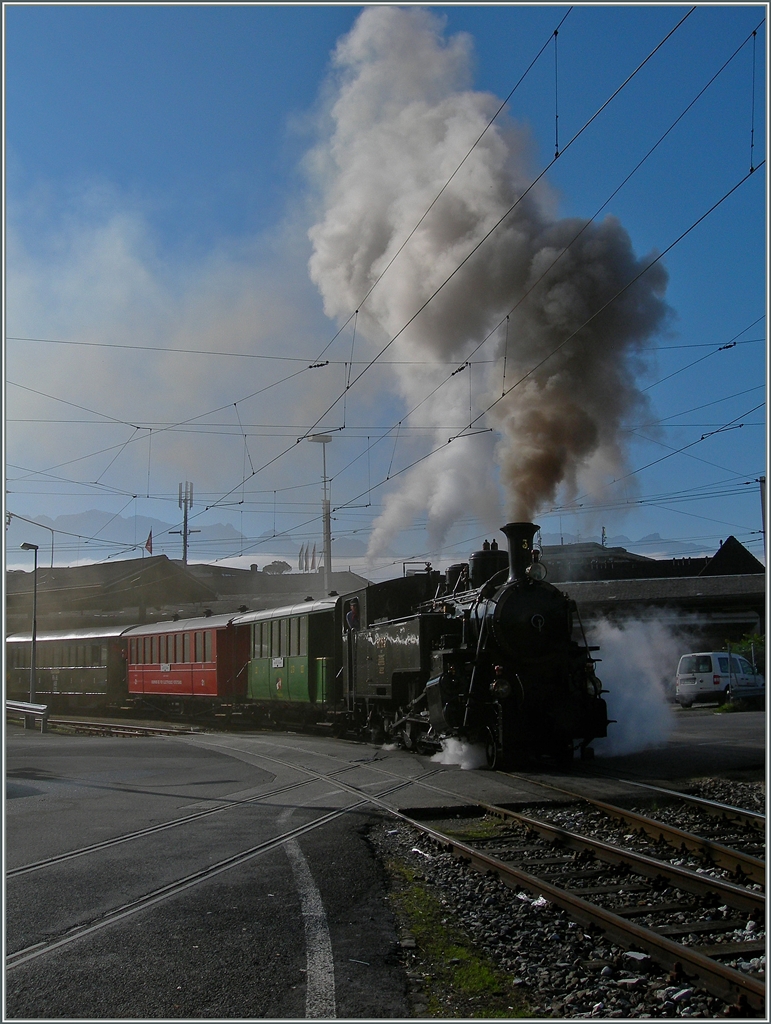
752 646
277 568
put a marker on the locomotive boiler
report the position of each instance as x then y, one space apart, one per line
490 658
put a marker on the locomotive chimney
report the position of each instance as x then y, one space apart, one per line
520 538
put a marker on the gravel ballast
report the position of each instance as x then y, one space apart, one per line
559 968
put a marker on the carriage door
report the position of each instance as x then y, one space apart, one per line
351 639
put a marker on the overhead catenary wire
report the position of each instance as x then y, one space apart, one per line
348 375
580 131
621 291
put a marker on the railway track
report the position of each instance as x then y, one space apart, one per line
689 901
118 729
686 918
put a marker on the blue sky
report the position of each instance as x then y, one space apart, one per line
163 167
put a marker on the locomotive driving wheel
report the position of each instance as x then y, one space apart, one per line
492 750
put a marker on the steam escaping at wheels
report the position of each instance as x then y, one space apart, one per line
461 752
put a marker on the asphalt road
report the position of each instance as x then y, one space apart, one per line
295 925
234 945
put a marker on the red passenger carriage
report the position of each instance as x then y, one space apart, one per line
196 660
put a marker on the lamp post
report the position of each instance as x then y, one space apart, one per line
32 665
323 440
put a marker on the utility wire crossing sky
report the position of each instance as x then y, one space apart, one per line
511 259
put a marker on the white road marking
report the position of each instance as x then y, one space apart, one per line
320 976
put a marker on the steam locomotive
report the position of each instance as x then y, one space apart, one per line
490 658
485 653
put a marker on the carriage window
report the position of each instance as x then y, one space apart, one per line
275 637
133 651
148 651
154 650
198 647
303 636
186 646
96 654
262 640
103 655
207 646
284 637
294 637
81 655
177 647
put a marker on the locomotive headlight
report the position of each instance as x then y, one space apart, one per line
502 688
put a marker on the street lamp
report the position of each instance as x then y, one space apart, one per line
323 440
32 666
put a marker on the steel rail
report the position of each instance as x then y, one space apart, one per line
728 984
690 881
639 863
22 956
713 807
160 827
751 867
121 730
710 806
725 982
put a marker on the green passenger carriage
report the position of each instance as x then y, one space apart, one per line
294 657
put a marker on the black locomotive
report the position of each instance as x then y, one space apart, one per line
490 658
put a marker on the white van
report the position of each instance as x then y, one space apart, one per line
716 676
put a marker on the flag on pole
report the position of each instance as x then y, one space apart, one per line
313 559
301 560
307 557
149 542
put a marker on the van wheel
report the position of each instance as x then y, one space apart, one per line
686 703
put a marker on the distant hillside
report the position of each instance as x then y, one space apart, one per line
95 535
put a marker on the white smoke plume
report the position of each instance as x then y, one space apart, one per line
638 667
401 119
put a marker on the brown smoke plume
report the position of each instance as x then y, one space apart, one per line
401 120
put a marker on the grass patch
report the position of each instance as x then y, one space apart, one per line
479 828
745 704
457 980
